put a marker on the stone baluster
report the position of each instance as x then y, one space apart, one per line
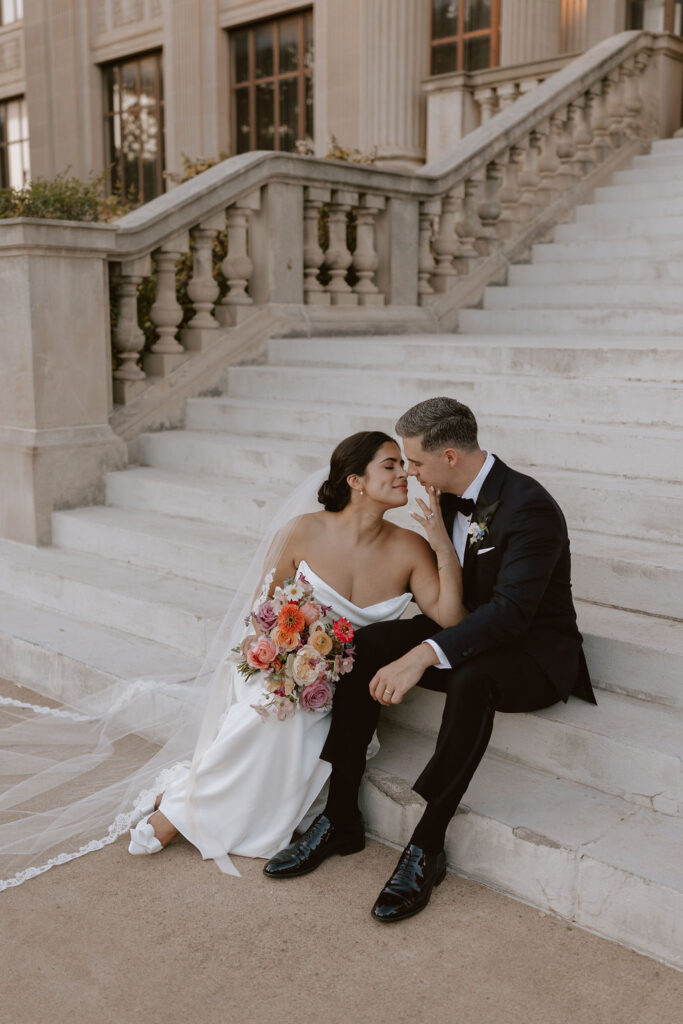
128 339
468 226
634 94
429 212
166 314
508 196
489 210
601 148
446 243
237 266
486 100
338 258
203 288
548 163
365 259
583 135
507 94
529 178
616 111
314 291
565 147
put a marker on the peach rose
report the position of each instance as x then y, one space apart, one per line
310 613
261 654
321 642
306 665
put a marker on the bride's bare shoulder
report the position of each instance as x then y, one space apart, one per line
409 542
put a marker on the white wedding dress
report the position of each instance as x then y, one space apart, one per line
258 778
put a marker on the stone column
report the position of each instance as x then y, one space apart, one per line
529 31
194 96
55 373
394 60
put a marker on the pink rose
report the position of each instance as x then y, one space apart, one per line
310 612
261 654
247 642
266 616
316 695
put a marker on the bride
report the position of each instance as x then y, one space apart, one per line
255 781
78 776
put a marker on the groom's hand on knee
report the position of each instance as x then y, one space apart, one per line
391 683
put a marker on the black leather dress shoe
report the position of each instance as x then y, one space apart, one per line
409 888
319 841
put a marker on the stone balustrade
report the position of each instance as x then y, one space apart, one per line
307 237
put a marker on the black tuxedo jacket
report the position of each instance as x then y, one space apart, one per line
516 582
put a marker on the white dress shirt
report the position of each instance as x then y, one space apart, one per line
461 525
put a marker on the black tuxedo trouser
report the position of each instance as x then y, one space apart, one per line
505 679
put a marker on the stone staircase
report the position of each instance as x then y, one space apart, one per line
574 370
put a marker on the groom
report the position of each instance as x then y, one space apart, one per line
517 649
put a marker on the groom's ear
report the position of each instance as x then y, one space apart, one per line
451 456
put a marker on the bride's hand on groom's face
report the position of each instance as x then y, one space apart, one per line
391 683
432 522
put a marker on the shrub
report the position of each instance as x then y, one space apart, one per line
66 197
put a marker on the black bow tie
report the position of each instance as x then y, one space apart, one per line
464 505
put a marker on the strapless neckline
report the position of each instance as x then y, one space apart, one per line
361 608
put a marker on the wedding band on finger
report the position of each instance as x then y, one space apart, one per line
429 515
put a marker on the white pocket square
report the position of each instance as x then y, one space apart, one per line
483 551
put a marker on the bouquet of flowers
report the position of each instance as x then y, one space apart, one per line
297 648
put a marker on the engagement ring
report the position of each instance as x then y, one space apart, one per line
429 515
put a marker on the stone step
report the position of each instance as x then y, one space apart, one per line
243 506
501 395
628 297
625 747
628 573
667 146
594 860
649 175
67 659
642 247
563 355
633 227
144 602
653 206
607 320
234 495
639 191
634 654
643 453
671 160
211 554
591 271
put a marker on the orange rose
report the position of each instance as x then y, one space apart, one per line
283 638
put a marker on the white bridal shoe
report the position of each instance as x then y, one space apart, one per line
143 840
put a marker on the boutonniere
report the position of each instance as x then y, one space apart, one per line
479 526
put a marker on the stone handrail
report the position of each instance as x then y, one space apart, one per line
425 244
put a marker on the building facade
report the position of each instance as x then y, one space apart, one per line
134 85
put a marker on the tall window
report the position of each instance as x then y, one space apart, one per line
11 10
465 35
135 125
15 168
272 83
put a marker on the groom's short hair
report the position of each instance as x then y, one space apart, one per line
440 423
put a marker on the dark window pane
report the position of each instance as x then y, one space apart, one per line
445 19
265 116
636 14
242 120
308 41
2 123
263 46
150 183
288 131
477 15
309 106
128 77
477 53
289 45
148 78
240 49
444 58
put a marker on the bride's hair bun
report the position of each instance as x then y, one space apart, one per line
351 456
